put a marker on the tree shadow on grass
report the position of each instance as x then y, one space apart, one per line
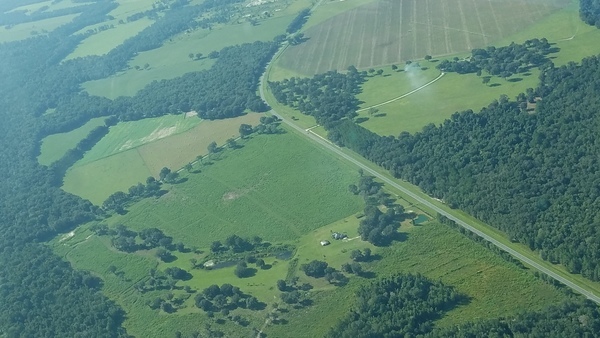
515 79
368 274
495 85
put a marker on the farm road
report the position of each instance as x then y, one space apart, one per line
404 95
426 202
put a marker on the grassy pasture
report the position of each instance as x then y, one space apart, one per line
495 287
435 103
133 134
384 32
52 6
28 29
277 187
171 60
103 42
55 146
132 151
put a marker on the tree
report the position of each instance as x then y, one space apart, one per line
191 55
260 263
163 173
231 143
394 67
163 254
212 147
281 285
242 270
199 56
315 268
428 57
356 255
379 71
486 80
245 130
216 246
213 55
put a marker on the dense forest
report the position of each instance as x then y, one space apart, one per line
527 167
46 296
408 305
328 97
531 174
398 306
590 11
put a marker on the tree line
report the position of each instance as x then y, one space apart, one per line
502 61
589 11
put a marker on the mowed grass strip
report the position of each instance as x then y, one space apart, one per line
55 146
132 151
385 32
172 58
277 187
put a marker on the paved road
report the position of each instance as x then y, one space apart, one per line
534 264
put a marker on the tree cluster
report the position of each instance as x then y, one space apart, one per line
398 306
502 61
118 201
226 297
320 269
377 227
569 319
589 10
298 21
328 97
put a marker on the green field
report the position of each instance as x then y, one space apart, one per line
385 32
434 103
104 41
51 5
172 59
132 151
55 146
277 187
29 29
495 287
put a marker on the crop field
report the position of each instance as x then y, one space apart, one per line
55 146
389 31
132 151
434 103
172 59
29 29
103 42
277 187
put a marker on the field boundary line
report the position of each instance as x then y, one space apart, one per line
404 95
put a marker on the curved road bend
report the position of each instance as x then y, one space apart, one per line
329 146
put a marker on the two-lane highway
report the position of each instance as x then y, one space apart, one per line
531 262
